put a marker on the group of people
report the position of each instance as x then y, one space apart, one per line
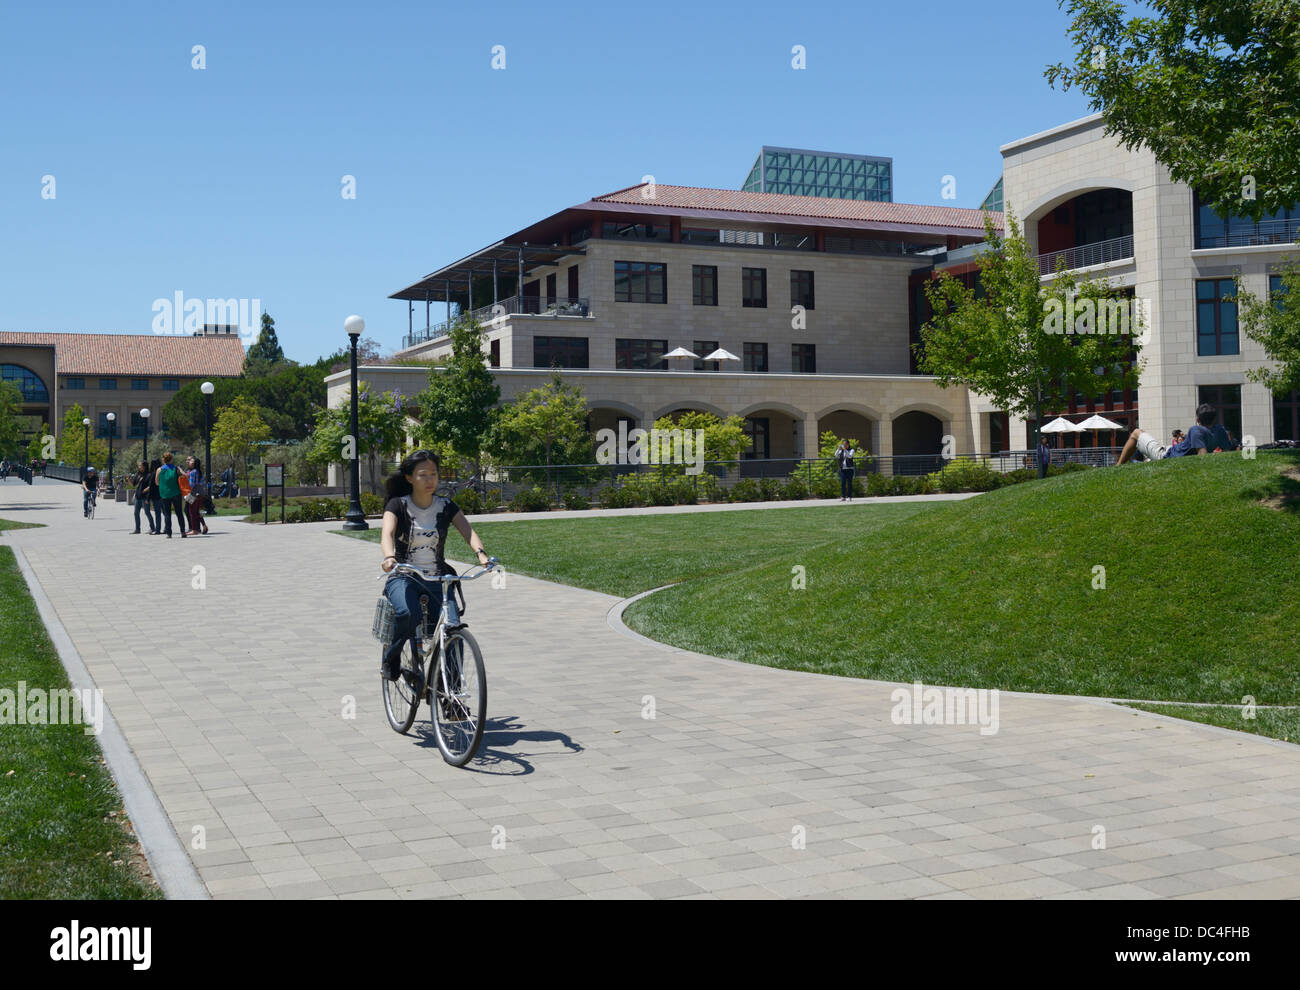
163 488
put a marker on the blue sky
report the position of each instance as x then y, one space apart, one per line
226 181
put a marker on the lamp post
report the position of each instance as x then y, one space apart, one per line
85 459
356 517
207 388
144 417
112 428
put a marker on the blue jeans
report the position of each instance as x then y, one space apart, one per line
85 500
404 592
143 503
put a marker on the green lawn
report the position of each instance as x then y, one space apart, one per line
63 833
628 554
1277 723
10 524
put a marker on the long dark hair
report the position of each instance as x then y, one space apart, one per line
396 485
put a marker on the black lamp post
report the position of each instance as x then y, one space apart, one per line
356 517
85 457
112 428
207 388
144 418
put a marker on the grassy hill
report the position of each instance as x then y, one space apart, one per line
1201 599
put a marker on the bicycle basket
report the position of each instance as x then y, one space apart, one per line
385 621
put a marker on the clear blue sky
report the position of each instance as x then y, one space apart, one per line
226 182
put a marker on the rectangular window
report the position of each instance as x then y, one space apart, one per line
703 347
704 285
631 354
1216 318
565 352
139 384
755 357
1227 399
803 359
640 281
107 383
550 290
137 426
1286 416
573 282
74 383
494 354
758 431
1276 290
753 288
171 384
801 289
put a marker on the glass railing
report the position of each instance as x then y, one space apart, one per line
555 306
1264 232
1086 255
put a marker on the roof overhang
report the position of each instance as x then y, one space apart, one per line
503 257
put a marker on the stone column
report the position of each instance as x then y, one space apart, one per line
884 431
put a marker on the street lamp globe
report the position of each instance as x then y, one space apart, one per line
207 388
354 325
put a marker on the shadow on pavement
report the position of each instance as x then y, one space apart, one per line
499 733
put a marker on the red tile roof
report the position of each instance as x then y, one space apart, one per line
732 200
137 353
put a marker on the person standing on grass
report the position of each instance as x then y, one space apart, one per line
143 482
169 490
844 460
194 501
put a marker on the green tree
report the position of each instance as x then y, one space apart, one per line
266 356
381 431
237 429
724 439
544 426
1275 324
72 441
36 446
458 406
11 404
1212 87
287 400
1013 344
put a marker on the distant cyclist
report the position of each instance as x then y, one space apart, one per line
90 489
415 526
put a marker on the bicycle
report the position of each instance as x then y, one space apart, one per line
436 666
88 504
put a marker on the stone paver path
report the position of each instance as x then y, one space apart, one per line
748 782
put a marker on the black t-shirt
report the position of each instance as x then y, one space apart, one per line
419 526
92 480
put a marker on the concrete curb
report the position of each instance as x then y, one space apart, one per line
171 865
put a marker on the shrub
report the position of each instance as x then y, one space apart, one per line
611 497
708 489
1067 468
372 504
469 500
877 485
338 508
858 488
965 475
492 501
682 491
795 489
574 499
535 499
769 489
827 486
1019 475
745 490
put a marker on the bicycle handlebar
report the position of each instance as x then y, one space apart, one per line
443 578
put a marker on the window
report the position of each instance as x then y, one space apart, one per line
137 426
801 289
758 431
755 357
999 430
1286 416
703 347
139 384
753 287
636 231
103 429
1276 290
566 352
573 282
1227 399
704 285
171 384
631 353
494 353
803 359
1216 319
550 289
26 381
107 384
74 383
1213 229
640 281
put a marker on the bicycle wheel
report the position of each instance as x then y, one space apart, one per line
460 705
402 696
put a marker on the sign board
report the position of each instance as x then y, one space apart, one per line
274 475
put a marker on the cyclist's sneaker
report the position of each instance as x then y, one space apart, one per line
390 668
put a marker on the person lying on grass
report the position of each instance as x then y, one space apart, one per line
1199 440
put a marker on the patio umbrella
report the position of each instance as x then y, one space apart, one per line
681 352
1096 423
1061 425
720 355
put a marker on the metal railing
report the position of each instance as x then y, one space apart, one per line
555 306
1085 255
1264 232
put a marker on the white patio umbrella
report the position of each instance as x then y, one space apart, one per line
1061 425
1096 423
720 355
681 352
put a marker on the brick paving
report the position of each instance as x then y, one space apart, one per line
750 782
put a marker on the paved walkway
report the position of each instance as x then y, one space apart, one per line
749 782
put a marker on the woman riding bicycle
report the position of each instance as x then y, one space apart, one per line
414 532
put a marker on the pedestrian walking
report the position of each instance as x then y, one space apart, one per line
143 482
194 500
169 490
1044 454
844 459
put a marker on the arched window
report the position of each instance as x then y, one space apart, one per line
28 382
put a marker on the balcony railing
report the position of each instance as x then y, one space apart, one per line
1085 255
1264 232
555 306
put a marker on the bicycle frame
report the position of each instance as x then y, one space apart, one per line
448 615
